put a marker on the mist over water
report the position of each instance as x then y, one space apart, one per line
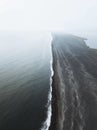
24 80
90 36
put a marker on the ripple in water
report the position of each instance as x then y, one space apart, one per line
25 80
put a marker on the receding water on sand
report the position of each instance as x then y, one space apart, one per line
47 122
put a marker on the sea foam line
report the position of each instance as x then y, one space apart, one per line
47 122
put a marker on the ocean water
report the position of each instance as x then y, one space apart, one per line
90 36
25 74
92 40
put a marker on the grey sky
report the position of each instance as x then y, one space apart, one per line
48 15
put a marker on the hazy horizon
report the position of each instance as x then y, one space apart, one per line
48 15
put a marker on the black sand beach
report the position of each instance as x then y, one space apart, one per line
74 101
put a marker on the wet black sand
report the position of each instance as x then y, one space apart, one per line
74 102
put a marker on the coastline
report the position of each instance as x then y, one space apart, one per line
74 79
57 115
47 122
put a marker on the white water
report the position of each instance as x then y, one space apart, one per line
47 122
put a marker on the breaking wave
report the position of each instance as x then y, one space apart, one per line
47 122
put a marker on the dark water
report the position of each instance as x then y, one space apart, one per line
24 80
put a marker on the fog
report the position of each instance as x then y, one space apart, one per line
50 15
71 16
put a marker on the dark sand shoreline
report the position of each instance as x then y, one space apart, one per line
74 101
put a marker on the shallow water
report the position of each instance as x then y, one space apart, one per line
24 80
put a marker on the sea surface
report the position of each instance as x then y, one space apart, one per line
24 80
90 36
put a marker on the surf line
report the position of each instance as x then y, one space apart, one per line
47 122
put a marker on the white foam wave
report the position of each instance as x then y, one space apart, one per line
47 122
